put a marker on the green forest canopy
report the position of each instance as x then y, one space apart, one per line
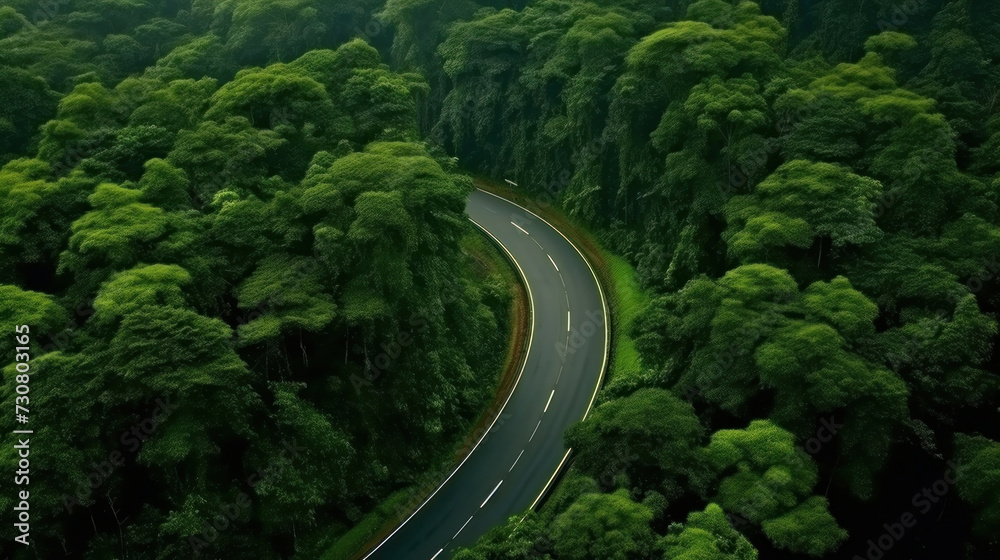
215 254
808 190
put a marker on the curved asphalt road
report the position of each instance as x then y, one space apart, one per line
510 467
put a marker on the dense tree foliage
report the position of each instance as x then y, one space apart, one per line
248 292
706 535
809 192
208 203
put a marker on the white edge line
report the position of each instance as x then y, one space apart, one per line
607 334
491 494
552 394
524 363
553 477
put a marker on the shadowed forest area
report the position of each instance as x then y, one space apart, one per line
219 218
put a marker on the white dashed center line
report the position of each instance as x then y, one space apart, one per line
438 554
520 228
552 394
463 528
552 261
491 495
536 429
516 460
567 321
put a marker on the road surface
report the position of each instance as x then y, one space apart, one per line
512 465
